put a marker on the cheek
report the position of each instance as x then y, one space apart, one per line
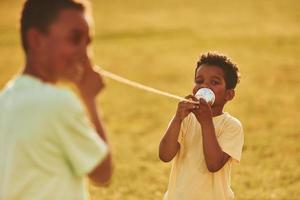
219 92
64 56
195 89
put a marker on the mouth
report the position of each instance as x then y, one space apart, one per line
78 72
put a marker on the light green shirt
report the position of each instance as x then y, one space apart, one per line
47 144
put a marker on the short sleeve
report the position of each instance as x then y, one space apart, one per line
232 139
183 129
80 144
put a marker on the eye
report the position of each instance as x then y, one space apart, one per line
76 39
214 82
198 81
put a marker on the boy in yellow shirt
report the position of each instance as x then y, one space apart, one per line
202 139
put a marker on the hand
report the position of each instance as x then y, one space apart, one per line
91 82
203 112
184 108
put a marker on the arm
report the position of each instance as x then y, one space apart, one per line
103 172
89 86
169 144
215 158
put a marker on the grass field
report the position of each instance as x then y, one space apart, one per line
157 43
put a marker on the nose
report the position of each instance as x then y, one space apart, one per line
199 86
204 84
83 49
84 53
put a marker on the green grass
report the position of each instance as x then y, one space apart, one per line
157 43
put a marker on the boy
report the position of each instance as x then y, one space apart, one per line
203 140
47 143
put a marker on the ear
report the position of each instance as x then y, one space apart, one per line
229 94
35 39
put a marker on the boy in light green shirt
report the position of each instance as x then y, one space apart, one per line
202 140
49 139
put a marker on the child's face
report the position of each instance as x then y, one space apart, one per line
212 77
65 46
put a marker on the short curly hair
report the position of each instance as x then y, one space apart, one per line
40 14
231 71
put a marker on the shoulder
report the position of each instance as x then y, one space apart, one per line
31 92
61 98
231 126
232 121
62 108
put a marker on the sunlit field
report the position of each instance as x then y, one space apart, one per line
157 43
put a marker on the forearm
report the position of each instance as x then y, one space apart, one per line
169 145
102 173
94 116
214 156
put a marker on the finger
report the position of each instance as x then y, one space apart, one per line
189 97
184 104
102 84
191 106
204 103
100 80
196 111
99 76
194 98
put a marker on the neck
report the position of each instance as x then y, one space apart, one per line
39 71
217 110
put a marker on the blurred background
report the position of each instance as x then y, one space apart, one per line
157 43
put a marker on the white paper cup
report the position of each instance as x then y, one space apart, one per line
206 94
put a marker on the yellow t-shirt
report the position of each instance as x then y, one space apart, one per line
47 144
190 178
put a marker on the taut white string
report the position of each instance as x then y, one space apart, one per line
139 85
